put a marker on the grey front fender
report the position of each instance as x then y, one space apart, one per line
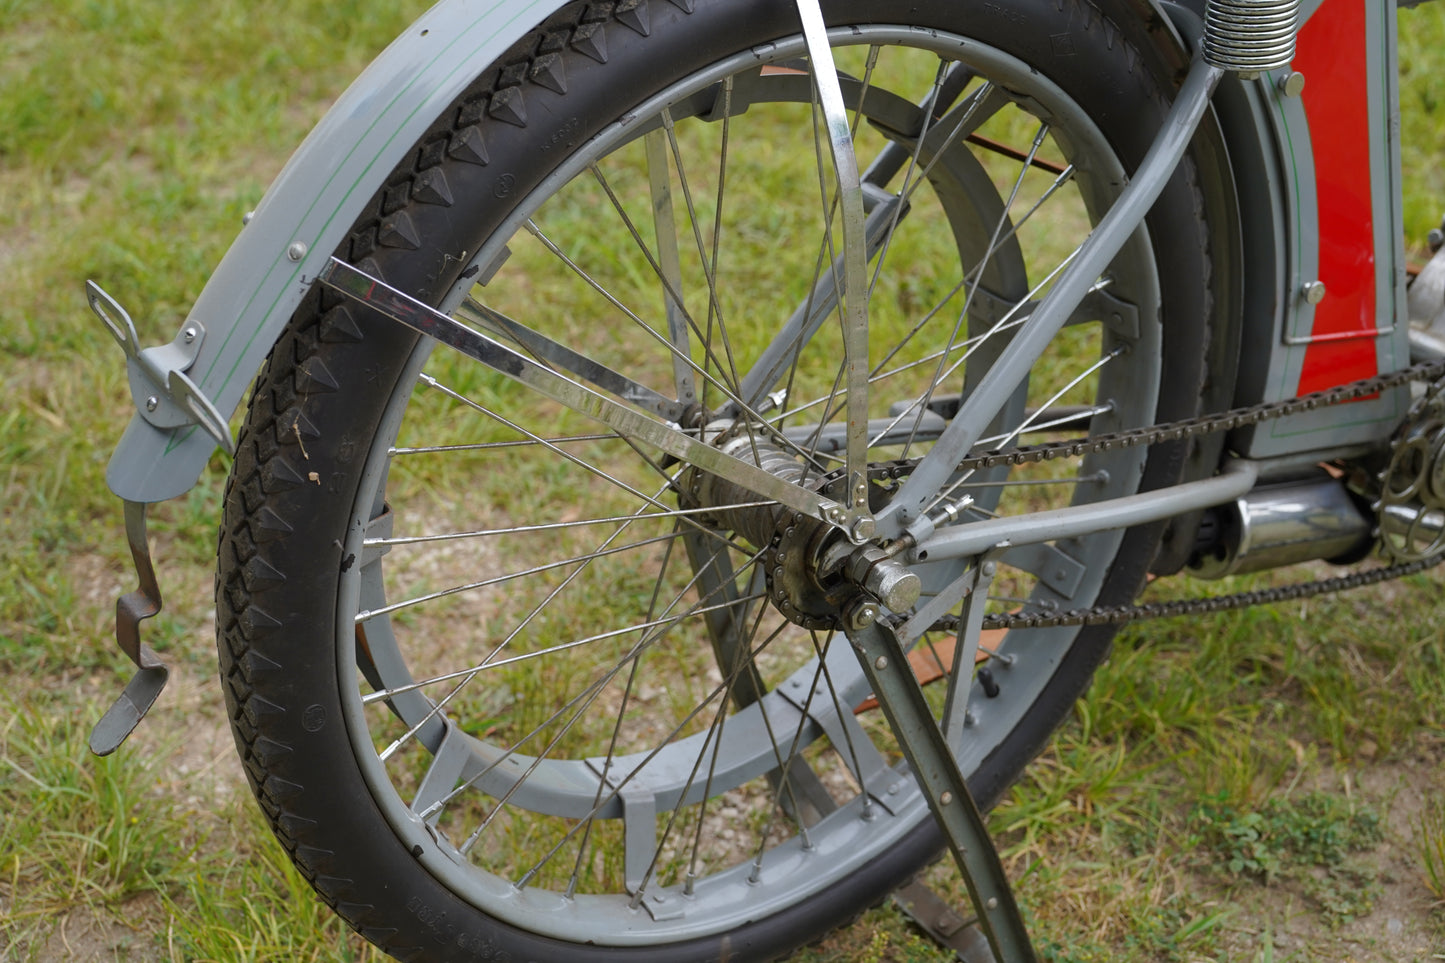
305 215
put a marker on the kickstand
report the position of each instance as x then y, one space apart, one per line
923 745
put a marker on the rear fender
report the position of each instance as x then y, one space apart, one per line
323 189
305 216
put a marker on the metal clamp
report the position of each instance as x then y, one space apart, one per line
130 610
164 396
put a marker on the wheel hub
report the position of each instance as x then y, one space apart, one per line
816 577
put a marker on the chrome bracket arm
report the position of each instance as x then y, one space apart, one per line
854 293
163 393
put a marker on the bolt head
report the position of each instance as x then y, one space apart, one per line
946 798
296 251
1291 84
152 403
881 662
863 529
1313 292
189 335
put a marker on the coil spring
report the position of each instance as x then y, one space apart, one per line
1250 35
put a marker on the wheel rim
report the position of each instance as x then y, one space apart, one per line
617 860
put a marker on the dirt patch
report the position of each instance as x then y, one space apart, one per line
1397 920
85 934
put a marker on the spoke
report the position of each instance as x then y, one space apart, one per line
999 234
410 312
368 614
674 295
1075 418
1028 422
972 274
929 116
696 453
496 445
665 228
663 743
852 732
601 782
494 663
549 352
714 729
586 466
709 267
1015 317
554 526
1083 270
714 316
588 694
784 767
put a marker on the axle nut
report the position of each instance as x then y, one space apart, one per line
885 578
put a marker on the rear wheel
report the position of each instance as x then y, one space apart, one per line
507 682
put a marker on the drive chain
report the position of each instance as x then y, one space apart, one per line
1207 424
1429 371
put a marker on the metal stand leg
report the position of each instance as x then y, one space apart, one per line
923 745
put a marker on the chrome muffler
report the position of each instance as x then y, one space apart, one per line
1284 524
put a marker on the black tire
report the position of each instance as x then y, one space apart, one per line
312 468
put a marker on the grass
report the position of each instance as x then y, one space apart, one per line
1257 786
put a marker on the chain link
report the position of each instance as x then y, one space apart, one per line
1207 424
1175 608
1192 428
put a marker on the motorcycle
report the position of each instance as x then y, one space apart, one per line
649 389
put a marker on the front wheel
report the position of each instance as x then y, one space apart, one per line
511 685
